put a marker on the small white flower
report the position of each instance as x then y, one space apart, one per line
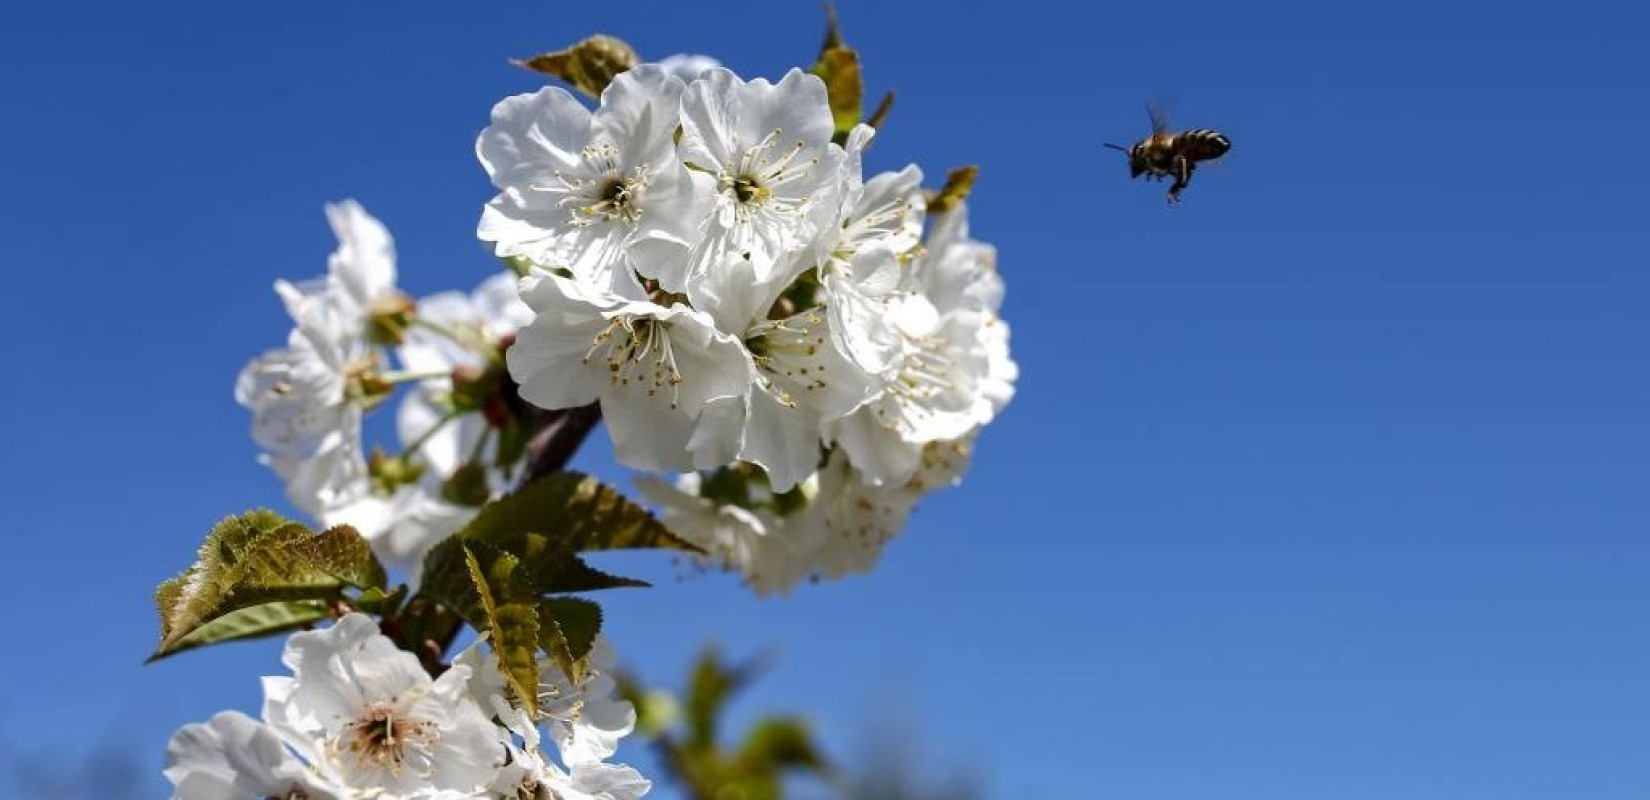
834 524
303 412
234 757
953 372
402 527
361 272
753 541
601 194
473 324
801 378
854 520
653 368
860 256
531 775
365 715
481 318
764 152
586 719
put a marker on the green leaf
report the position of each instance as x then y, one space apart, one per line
709 687
958 183
509 620
589 65
491 591
560 571
248 623
568 632
256 559
576 512
578 621
776 743
838 66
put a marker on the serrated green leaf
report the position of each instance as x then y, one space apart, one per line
507 616
557 572
588 66
579 622
958 183
576 512
838 67
250 623
260 558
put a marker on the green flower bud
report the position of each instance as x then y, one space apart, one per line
467 486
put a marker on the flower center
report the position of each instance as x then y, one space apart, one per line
747 190
638 351
532 788
385 738
757 180
612 195
785 351
294 793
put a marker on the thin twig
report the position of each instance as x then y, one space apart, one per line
555 443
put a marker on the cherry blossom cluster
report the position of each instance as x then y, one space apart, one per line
794 352
360 718
748 309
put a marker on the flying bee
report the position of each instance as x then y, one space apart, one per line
1163 154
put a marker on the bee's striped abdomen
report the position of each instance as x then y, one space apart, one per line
1202 144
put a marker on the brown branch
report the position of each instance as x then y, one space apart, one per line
555 443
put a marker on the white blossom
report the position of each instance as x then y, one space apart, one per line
854 521
834 524
306 398
654 368
404 526
752 540
952 373
469 323
860 257
234 757
601 194
801 378
365 715
586 719
763 151
531 775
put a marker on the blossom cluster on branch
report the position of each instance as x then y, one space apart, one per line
360 717
793 352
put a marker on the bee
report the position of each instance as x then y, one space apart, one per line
1163 153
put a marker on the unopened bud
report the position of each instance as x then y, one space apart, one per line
471 387
467 486
391 472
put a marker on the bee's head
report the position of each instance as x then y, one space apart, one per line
1137 159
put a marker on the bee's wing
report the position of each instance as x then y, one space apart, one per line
1159 117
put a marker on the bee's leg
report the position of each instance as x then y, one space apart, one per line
1182 177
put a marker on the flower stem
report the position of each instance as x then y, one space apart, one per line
412 377
443 331
412 447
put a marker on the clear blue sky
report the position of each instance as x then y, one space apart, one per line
1331 483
